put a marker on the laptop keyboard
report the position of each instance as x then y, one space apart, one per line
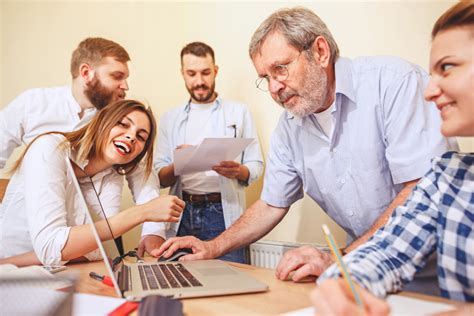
165 276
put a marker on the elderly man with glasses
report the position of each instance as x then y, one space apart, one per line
356 136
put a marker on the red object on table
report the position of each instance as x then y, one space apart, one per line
104 279
124 309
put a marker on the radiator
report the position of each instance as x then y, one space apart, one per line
267 254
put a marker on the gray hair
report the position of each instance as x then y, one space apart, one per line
300 27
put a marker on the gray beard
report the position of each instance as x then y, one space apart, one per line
312 95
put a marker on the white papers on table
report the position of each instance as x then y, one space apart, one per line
88 304
207 154
37 276
35 285
399 306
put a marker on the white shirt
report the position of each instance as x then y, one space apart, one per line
40 110
228 119
41 204
37 111
197 128
326 120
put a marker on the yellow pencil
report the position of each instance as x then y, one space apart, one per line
342 267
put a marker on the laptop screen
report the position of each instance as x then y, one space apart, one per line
109 249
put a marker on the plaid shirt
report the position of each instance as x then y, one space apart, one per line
438 216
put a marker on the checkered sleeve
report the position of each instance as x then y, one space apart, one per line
397 251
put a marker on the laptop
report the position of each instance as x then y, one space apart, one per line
173 279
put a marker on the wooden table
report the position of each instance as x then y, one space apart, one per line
283 296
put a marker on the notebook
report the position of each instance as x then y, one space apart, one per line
173 279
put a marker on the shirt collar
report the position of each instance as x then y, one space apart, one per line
72 102
344 82
73 156
83 163
344 85
76 107
217 102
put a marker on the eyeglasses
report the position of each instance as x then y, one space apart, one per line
278 73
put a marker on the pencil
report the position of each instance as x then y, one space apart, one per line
342 267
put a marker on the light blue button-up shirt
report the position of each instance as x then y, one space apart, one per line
385 134
227 118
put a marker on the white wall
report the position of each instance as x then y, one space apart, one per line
37 39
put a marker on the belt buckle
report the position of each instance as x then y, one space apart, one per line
191 198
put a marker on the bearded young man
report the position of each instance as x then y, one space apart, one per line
99 73
214 200
356 136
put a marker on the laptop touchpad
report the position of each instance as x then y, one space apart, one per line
216 271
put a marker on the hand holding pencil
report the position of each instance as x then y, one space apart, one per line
333 297
342 296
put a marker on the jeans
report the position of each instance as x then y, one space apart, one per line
206 221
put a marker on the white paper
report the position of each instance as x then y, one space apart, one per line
38 276
208 154
399 306
88 304
402 305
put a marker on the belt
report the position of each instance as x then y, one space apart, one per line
202 198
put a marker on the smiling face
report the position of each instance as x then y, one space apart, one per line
451 84
108 82
199 74
127 138
305 90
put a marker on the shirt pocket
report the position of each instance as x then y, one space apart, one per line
375 191
232 130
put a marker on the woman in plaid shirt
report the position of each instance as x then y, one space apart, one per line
439 214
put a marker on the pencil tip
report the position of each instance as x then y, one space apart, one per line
325 229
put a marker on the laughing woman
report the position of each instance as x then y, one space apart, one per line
43 221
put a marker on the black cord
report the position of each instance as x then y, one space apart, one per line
98 199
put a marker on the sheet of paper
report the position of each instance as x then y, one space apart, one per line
402 305
39 277
208 154
88 304
399 306
27 299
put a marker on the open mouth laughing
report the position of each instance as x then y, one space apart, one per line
122 147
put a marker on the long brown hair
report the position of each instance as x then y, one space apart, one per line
90 141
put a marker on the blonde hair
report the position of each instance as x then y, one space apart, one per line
91 140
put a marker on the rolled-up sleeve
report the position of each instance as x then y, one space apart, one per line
282 185
252 157
45 177
143 187
143 190
164 150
